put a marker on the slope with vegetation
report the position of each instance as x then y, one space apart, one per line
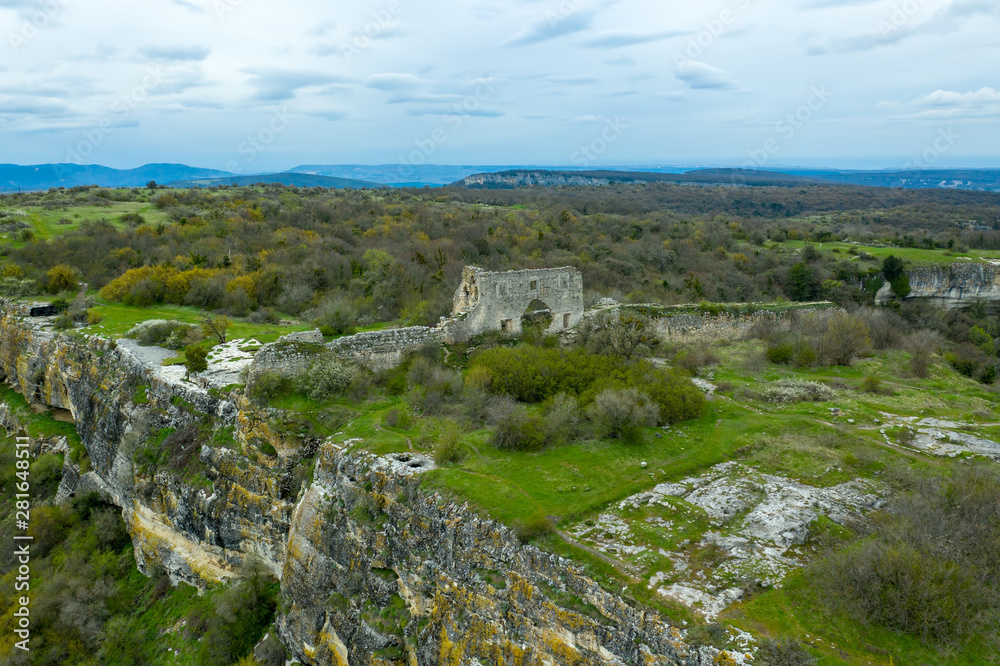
597 447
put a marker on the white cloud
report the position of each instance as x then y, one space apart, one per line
702 76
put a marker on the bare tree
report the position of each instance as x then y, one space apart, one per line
216 326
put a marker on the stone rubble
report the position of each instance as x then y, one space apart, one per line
759 522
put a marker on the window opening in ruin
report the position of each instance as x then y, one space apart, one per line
507 325
566 320
533 285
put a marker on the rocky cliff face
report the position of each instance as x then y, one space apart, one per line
953 286
373 570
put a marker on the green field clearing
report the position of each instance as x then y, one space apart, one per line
47 223
916 257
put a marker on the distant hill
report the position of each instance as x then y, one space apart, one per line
18 178
400 175
971 179
544 178
287 178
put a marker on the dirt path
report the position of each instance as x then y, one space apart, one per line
623 568
409 442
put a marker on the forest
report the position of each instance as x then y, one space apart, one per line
565 422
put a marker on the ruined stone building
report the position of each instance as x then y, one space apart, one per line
495 301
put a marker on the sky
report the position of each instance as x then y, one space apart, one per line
252 86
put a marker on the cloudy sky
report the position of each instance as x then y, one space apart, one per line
251 85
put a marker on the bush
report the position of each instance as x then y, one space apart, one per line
788 391
195 359
783 652
922 346
619 333
398 417
449 448
326 377
871 384
336 315
780 354
561 418
930 569
153 331
270 385
514 429
533 528
622 413
845 337
63 322
61 278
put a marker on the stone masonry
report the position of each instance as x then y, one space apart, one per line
495 301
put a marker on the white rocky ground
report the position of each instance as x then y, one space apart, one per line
940 437
757 524
225 362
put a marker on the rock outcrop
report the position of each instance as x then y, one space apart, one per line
374 570
952 286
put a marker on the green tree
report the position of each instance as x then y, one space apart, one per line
894 271
803 285
195 359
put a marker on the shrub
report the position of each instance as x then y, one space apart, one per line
783 652
153 331
195 359
398 417
871 384
619 333
270 385
325 378
788 391
63 322
533 528
780 354
61 278
561 418
514 429
449 448
922 346
622 413
336 315
845 337
94 318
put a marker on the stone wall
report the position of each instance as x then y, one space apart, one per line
496 301
707 327
953 286
375 350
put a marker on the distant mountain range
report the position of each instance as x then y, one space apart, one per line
15 177
981 180
287 178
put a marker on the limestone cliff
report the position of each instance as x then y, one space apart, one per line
952 286
374 570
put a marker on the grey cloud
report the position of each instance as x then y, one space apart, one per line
552 26
897 26
176 53
614 39
275 85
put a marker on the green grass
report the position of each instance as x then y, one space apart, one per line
45 222
797 609
913 256
118 319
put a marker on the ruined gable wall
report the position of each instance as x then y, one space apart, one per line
494 300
